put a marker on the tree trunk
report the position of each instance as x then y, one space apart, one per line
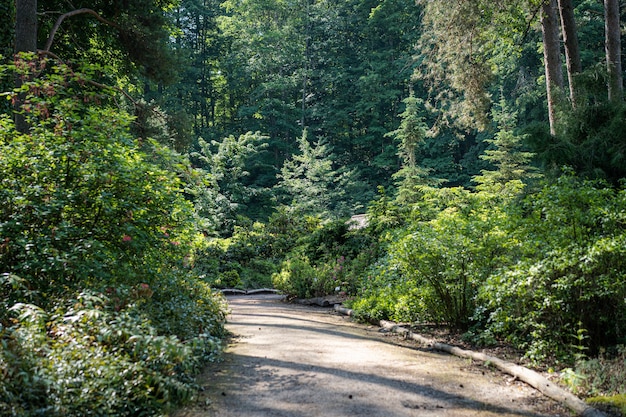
26 26
572 51
25 41
551 58
613 49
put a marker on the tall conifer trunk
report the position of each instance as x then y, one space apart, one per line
552 58
572 50
613 49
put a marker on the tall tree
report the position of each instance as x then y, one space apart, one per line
410 135
25 41
551 58
506 154
613 49
130 37
310 183
26 26
572 50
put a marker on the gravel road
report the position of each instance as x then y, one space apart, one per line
289 360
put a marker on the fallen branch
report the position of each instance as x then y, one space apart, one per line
526 375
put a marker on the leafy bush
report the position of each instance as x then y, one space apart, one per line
604 375
298 278
88 209
83 205
436 264
87 357
386 294
570 274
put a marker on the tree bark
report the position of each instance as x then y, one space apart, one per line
25 41
572 50
26 26
551 58
613 50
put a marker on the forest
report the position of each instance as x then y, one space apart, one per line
153 152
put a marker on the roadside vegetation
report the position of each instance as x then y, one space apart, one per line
155 152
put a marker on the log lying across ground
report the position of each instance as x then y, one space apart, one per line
526 375
235 291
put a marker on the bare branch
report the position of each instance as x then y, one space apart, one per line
61 18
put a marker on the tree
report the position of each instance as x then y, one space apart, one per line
310 184
25 41
411 135
26 26
222 195
551 59
613 49
511 162
572 50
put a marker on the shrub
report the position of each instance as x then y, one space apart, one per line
87 357
604 375
449 257
84 205
87 209
570 274
297 278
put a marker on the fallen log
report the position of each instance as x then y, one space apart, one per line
526 375
232 291
263 291
235 291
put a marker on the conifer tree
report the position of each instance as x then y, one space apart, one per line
310 184
410 135
511 162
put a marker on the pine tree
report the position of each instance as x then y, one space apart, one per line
309 183
410 135
512 164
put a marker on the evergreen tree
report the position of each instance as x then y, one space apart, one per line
309 184
506 154
223 196
410 135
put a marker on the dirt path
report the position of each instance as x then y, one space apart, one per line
290 360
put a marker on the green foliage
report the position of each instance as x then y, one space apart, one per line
89 210
83 204
604 375
311 185
590 140
297 278
453 240
411 136
569 271
507 156
254 251
385 293
134 42
86 356
542 271
221 196
329 259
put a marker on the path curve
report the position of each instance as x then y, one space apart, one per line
290 360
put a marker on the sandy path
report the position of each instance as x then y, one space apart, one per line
290 360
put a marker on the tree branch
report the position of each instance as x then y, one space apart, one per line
61 18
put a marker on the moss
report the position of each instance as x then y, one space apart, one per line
615 405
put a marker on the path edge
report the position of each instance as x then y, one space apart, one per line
524 374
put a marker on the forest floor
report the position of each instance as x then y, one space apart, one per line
288 360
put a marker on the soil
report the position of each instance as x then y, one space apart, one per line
288 360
